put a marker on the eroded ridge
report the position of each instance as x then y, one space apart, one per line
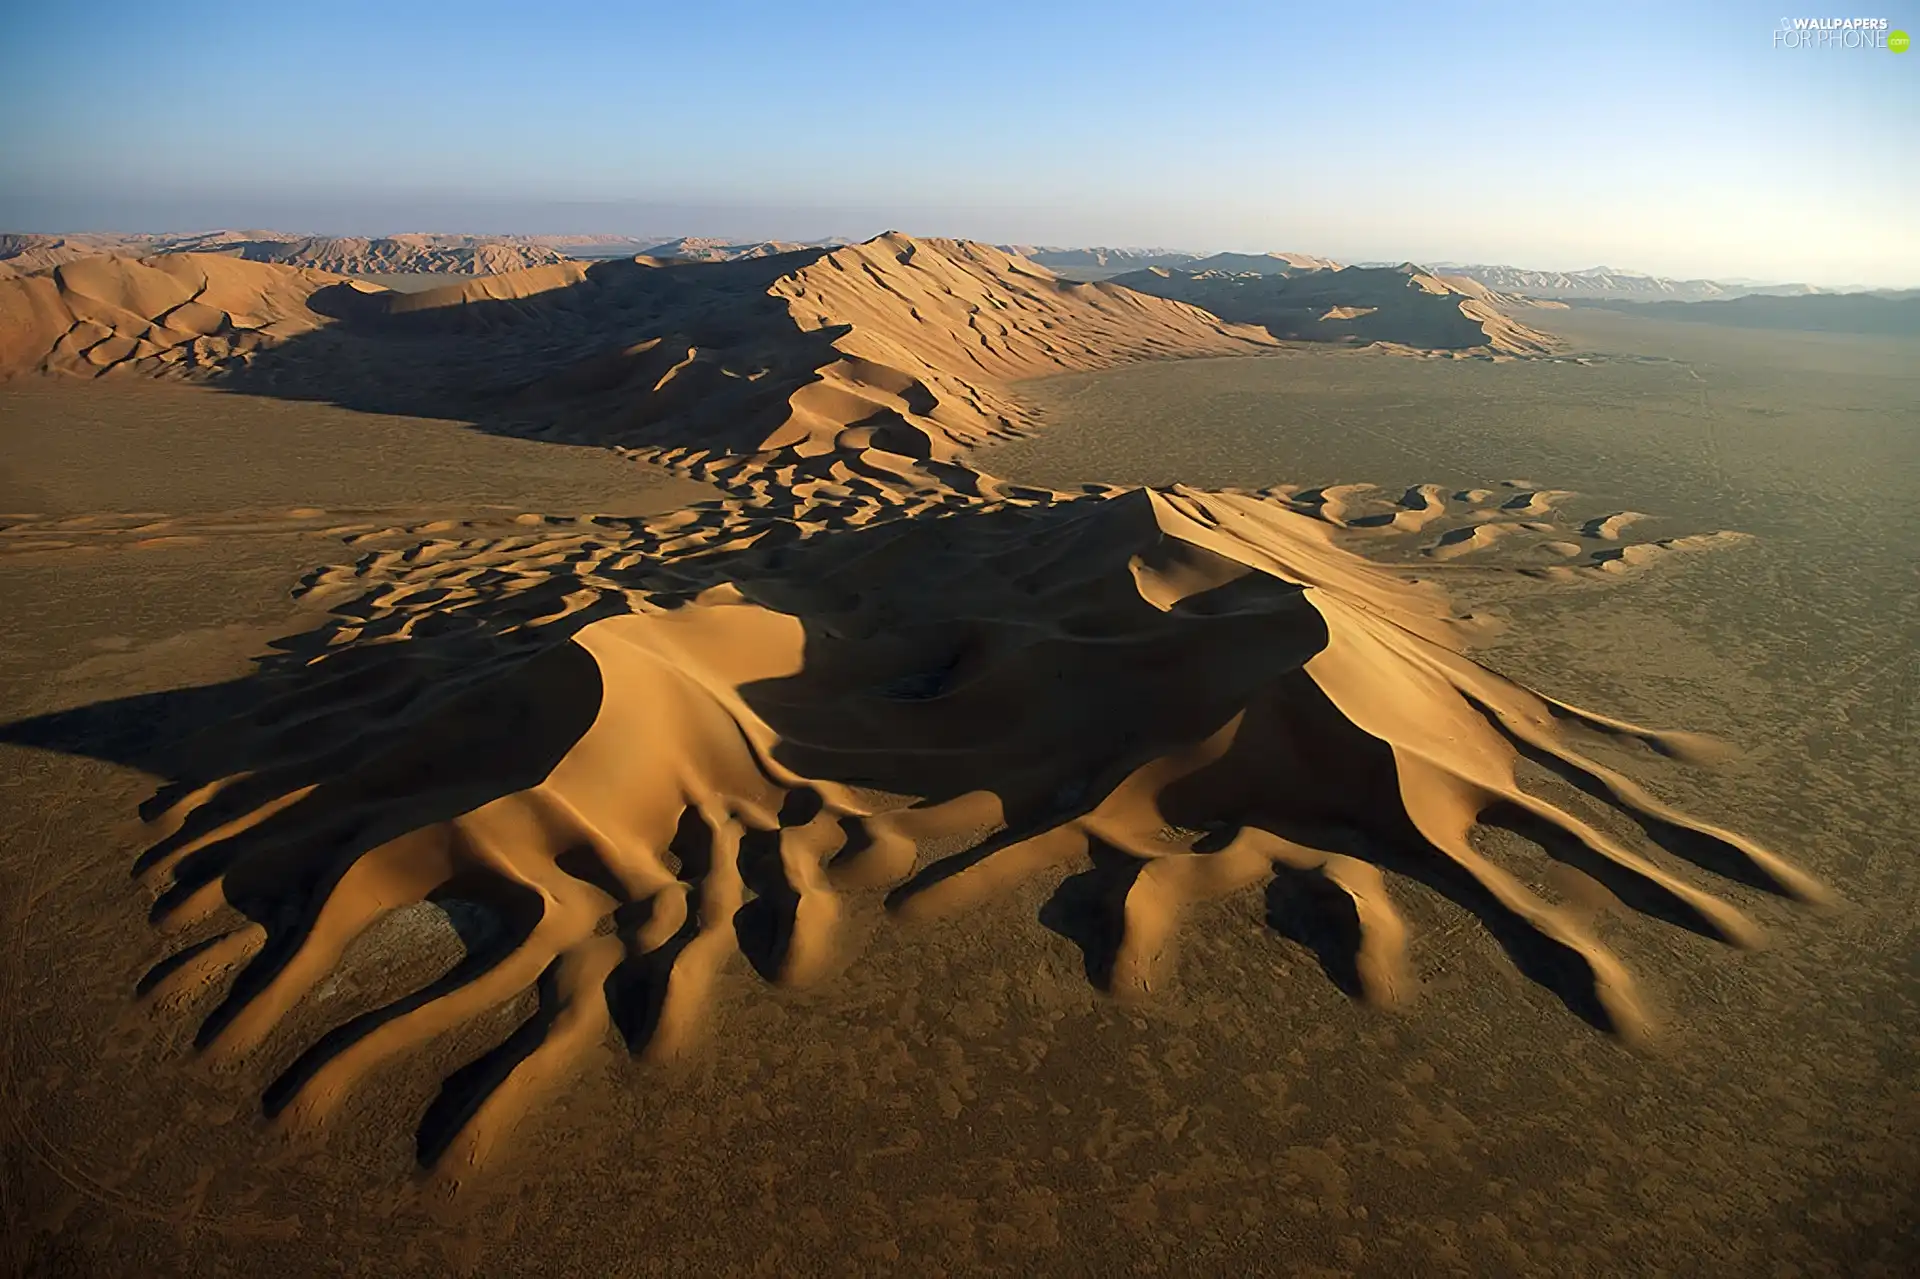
626 756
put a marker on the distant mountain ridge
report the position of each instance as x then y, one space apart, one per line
1612 283
1600 282
1887 312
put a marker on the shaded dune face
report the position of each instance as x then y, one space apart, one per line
1179 696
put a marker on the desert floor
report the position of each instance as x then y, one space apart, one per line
963 1100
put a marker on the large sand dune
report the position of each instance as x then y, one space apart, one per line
1404 306
896 346
763 717
872 685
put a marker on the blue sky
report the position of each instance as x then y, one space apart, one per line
1666 137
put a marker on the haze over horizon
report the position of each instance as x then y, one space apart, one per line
1676 143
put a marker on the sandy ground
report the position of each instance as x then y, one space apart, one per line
964 1098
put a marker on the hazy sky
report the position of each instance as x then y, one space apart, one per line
1667 137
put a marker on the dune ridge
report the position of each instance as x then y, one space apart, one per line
644 758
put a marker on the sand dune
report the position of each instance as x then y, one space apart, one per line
1404 306
22 254
692 248
1514 528
1262 263
896 348
1101 260
171 315
344 255
402 254
627 758
745 730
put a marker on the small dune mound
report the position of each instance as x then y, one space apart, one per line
1513 529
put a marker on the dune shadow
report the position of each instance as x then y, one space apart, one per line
1305 909
1089 910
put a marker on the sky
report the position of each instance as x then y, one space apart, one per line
1672 138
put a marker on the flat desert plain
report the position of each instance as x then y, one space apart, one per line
435 850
